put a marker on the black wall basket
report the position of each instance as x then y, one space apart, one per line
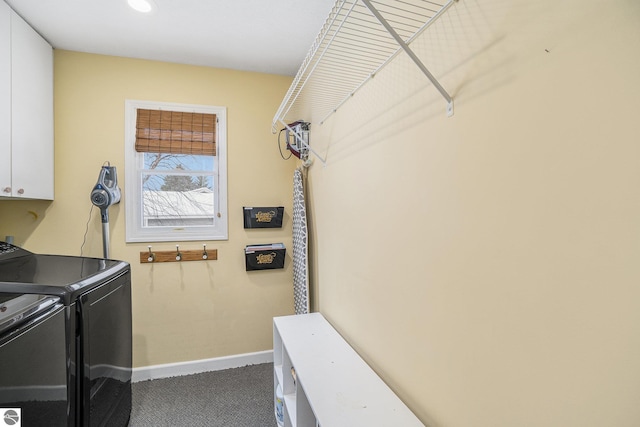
263 217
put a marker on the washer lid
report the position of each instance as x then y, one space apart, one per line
16 309
64 276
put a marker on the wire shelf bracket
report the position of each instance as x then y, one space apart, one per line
358 39
405 47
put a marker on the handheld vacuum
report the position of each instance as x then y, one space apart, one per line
104 194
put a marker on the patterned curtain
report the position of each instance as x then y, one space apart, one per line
300 247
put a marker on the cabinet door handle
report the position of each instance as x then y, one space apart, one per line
21 191
7 189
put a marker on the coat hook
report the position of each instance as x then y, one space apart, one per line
178 254
205 255
152 256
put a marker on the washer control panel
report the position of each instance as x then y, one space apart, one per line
7 250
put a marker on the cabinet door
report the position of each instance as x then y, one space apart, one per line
5 99
32 112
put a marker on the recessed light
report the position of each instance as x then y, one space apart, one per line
142 6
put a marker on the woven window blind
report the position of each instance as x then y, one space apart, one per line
175 132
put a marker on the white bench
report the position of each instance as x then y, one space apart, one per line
326 383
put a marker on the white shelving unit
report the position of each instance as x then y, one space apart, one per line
358 39
333 386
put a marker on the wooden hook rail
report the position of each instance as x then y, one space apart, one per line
178 255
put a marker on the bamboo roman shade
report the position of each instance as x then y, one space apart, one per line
175 132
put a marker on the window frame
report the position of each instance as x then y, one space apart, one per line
135 232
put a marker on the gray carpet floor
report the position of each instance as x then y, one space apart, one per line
241 397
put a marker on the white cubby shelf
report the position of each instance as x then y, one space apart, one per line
332 385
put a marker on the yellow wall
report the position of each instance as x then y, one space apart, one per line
181 311
488 265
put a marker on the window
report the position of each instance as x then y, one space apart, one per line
176 184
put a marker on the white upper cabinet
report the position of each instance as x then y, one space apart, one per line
5 97
26 72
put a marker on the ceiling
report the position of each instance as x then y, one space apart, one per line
268 36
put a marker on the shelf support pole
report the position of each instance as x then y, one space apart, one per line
412 55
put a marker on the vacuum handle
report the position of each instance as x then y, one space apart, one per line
104 214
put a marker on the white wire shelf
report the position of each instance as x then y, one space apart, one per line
358 39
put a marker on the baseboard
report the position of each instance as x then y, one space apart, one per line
154 372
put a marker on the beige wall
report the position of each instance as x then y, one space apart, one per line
181 311
488 265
